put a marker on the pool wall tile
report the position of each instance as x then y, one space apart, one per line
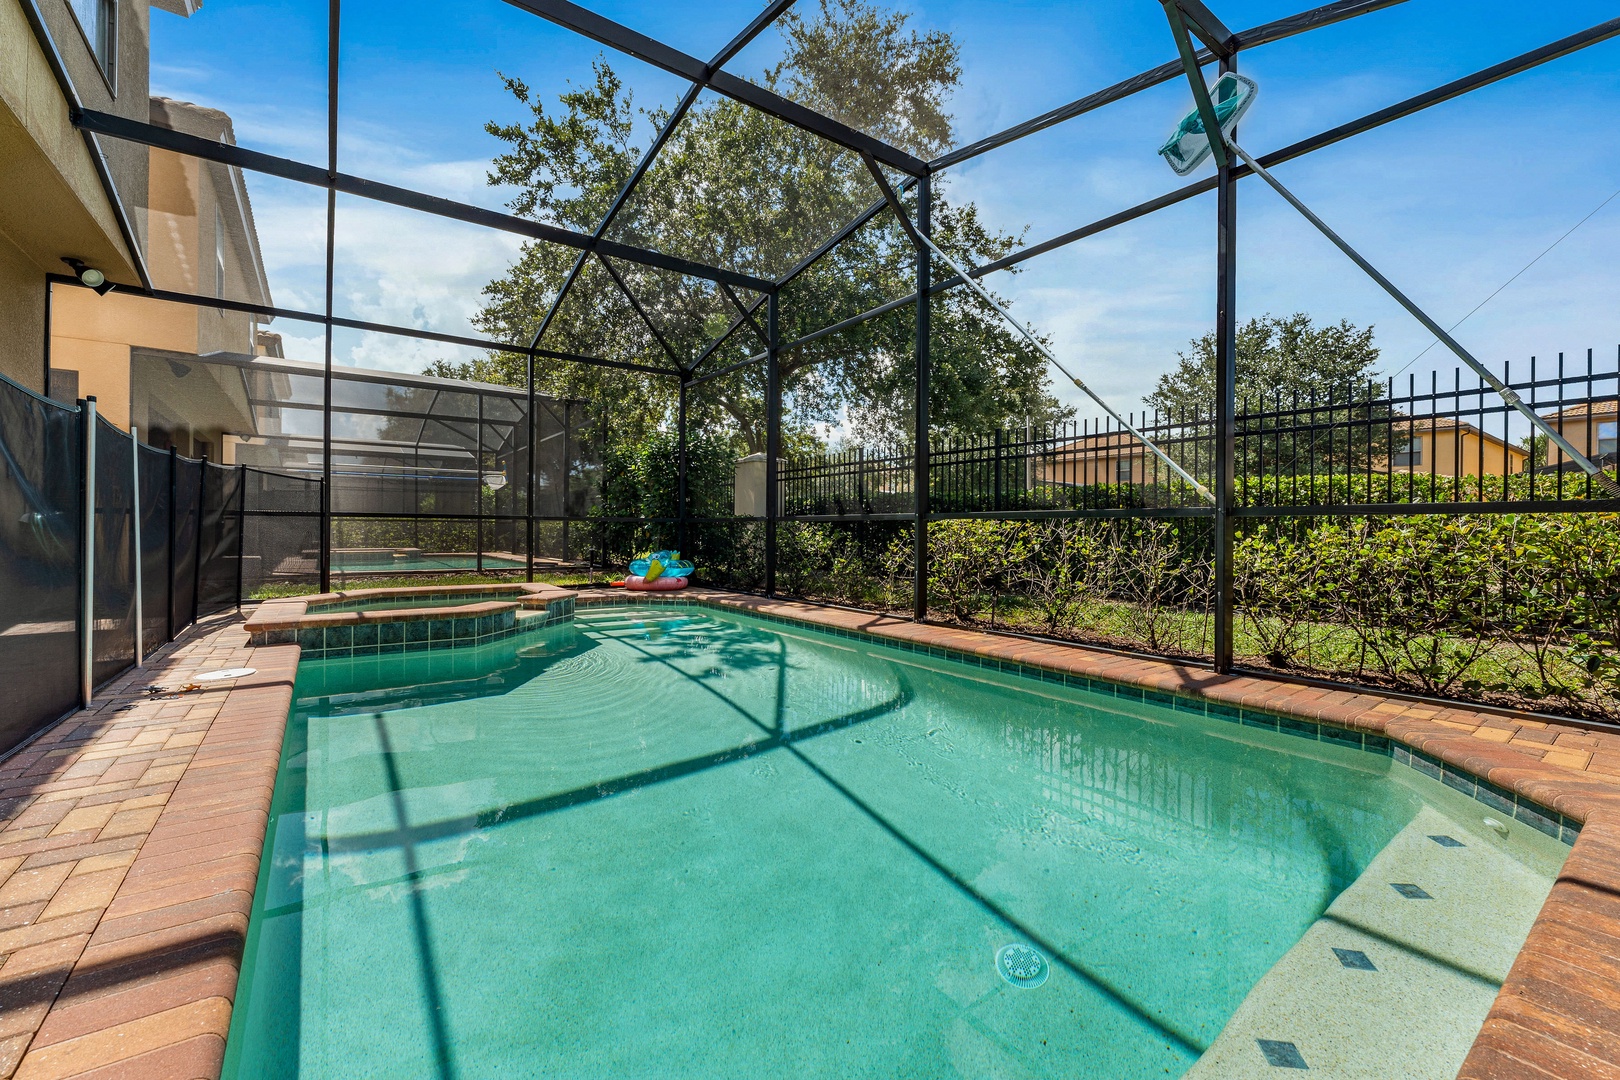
1463 782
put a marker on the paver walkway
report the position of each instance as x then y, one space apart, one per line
128 855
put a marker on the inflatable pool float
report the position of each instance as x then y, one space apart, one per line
662 564
638 583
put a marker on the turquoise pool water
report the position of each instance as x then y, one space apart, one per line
368 562
690 844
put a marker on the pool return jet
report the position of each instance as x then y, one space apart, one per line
1218 109
921 240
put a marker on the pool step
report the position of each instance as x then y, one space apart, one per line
1397 976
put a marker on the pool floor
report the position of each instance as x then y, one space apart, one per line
690 844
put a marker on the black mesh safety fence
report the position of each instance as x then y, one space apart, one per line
186 503
281 530
219 576
156 547
41 459
114 578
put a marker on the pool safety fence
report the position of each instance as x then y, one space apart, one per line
110 547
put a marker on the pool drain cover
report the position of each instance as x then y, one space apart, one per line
1022 966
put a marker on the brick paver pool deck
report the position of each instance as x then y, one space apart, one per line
130 837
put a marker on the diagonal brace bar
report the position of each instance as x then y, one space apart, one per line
924 242
1506 392
746 315
663 342
1195 77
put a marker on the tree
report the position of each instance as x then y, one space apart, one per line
734 187
1317 384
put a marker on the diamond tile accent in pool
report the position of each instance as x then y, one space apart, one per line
1283 1055
1354 959
1410 891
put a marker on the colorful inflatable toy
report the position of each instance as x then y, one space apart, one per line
659 584
661 571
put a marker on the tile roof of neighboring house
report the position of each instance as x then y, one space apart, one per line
1438 424
1588 408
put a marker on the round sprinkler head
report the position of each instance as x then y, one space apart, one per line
1022 965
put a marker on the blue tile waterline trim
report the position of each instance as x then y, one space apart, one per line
1541 818
417 635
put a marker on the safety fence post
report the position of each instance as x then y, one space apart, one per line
87 556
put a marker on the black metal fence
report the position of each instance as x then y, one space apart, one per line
109 548
1451 445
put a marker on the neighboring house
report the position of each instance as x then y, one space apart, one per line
1592 428
1442 446
1107 458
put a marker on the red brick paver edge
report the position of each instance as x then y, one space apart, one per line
139 980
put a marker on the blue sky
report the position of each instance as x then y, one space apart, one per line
1450 202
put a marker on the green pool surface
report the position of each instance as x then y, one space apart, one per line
686 843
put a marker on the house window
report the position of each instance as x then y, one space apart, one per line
98 19
1122 471
1608 437
1407 452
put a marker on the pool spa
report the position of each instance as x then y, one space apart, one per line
671 840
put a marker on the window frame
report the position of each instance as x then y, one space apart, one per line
108 66
1409 454
1608 431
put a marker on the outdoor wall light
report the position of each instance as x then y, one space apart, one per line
89 276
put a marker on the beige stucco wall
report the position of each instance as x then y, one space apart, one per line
22 318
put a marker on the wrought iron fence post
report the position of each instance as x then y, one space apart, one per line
999 452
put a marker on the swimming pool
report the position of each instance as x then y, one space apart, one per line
679 842
382 561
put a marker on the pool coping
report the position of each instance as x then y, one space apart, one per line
154 997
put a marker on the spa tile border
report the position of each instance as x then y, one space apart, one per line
1557 1015
490 615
